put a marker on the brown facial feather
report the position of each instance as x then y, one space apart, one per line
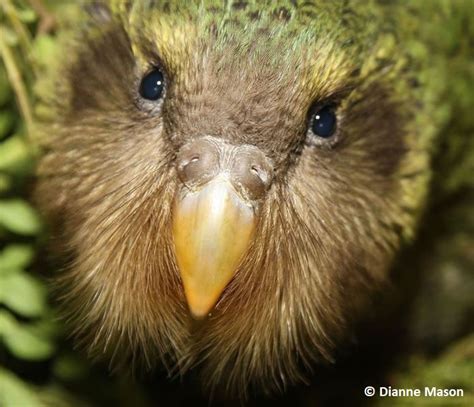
329 227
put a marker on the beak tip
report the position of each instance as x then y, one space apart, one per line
198 316
199 309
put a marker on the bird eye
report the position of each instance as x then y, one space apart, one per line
152 85
323 122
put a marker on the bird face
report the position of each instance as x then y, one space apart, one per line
228 185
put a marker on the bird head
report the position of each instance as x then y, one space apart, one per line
230 183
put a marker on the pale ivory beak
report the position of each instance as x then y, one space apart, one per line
212 228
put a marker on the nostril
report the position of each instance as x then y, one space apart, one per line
251 172
187 161
196 162
255 169
261 173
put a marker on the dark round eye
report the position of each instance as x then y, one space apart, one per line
323 122
152 85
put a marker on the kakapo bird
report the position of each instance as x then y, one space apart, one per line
230 181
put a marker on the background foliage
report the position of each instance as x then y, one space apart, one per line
38 366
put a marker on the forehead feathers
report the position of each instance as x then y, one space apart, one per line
245 38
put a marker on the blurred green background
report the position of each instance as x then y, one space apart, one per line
38 365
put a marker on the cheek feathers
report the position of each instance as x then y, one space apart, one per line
101 77
354 186
373 130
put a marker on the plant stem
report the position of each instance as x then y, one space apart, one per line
16 81
18 26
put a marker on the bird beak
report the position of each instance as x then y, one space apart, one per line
212 229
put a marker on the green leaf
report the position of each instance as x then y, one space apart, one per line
15 392
11 38
24 341
19 217
15 256
70 367
23 294
5 89
27 15
44 50
7 120
14 152
5 183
